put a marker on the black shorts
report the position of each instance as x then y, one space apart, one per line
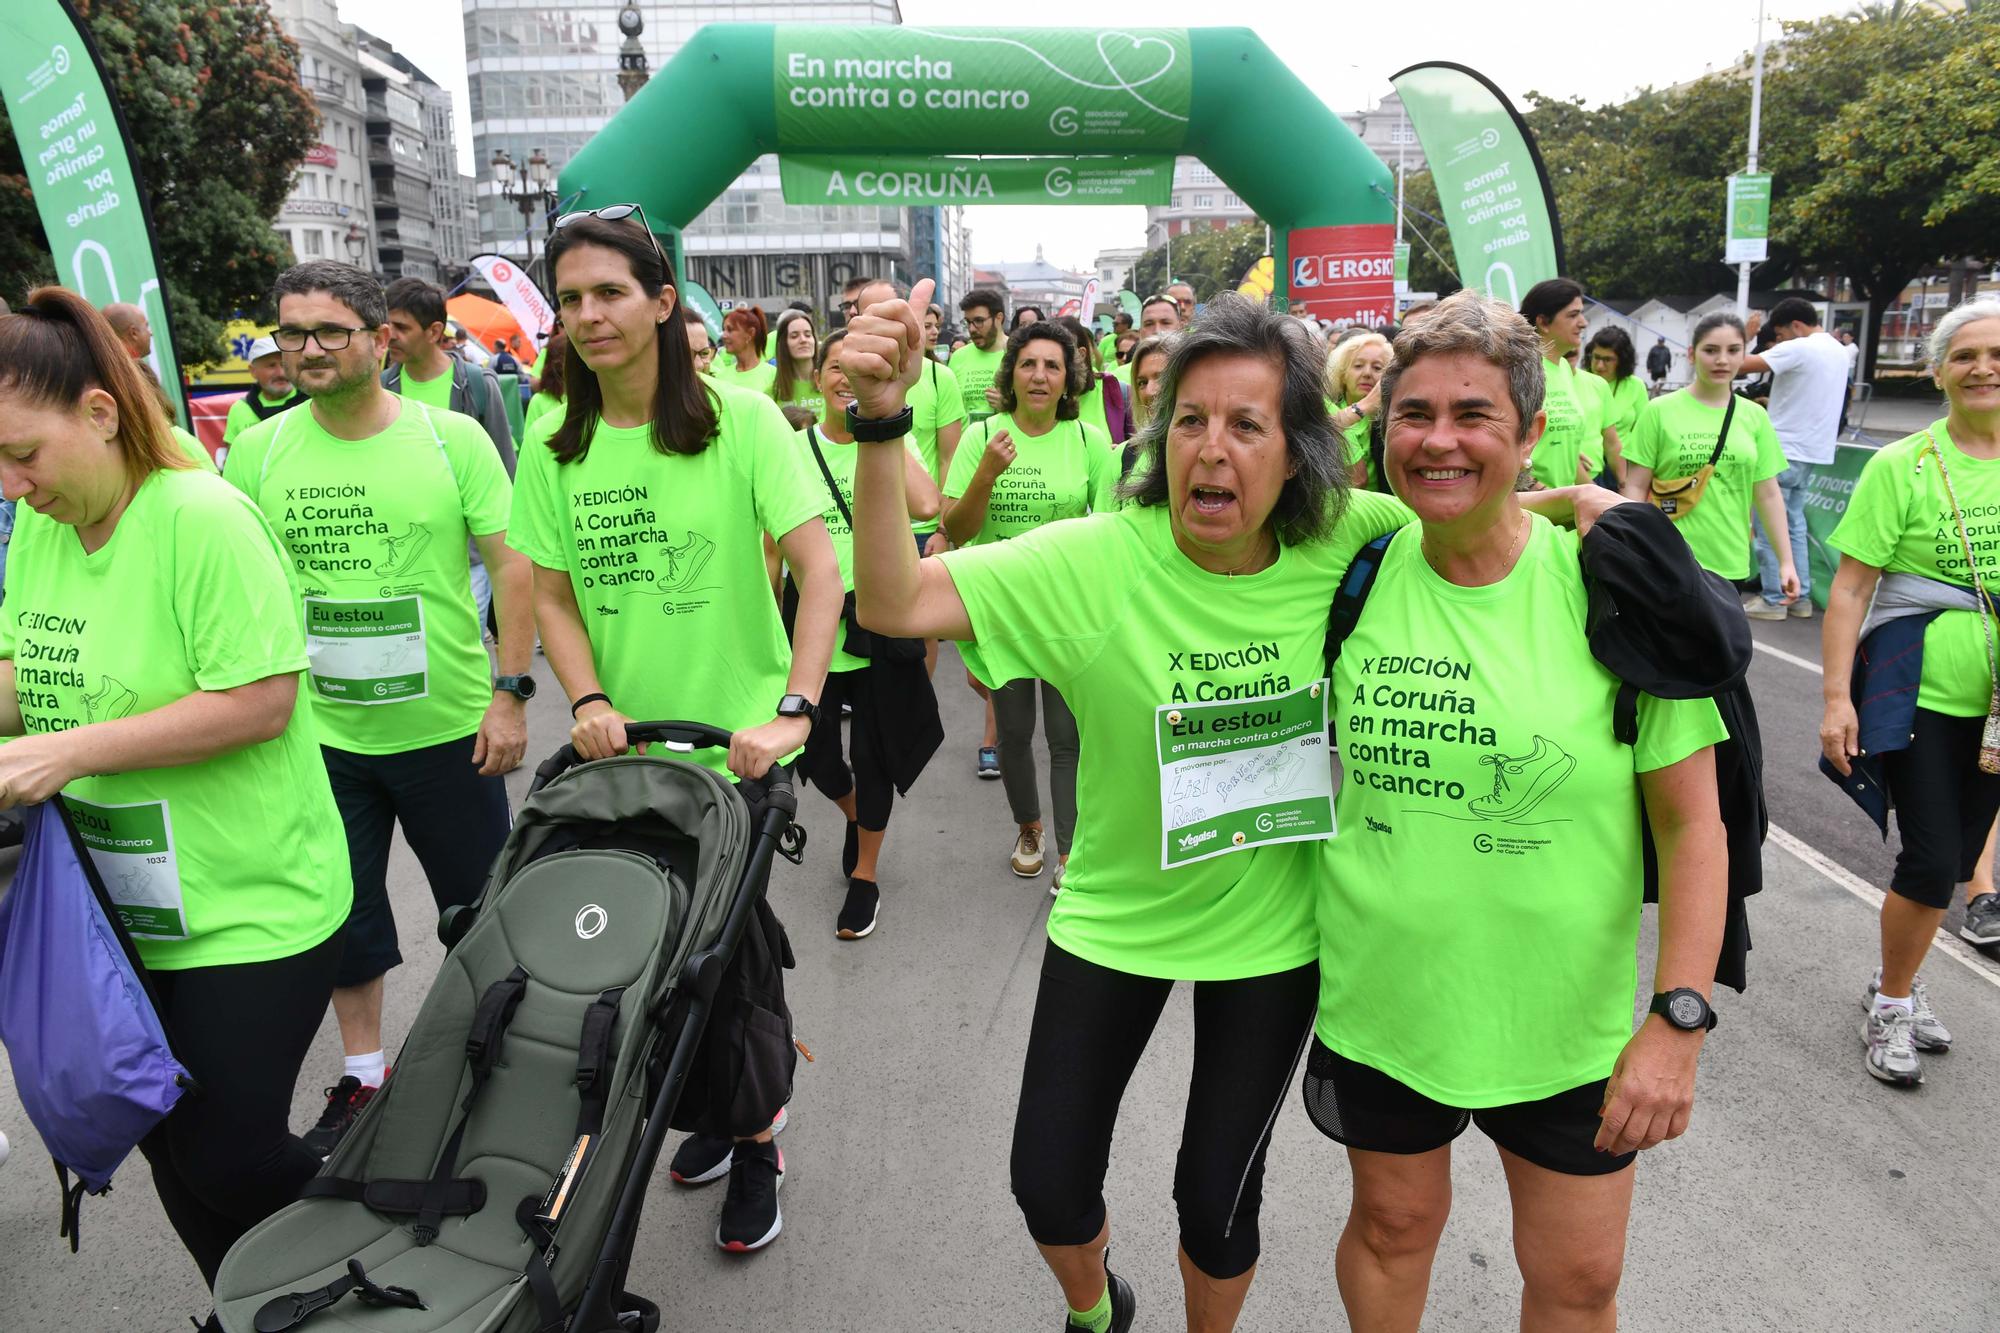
1944 806
1364 1108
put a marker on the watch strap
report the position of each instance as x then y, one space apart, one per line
870 431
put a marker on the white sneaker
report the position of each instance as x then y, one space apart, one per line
1890 1036
1927 1033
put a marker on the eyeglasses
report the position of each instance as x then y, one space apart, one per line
705 353
331 338
614 213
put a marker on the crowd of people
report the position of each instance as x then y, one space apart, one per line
1143 539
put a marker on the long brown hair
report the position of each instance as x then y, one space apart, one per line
786 383
553 353
57 347
685 418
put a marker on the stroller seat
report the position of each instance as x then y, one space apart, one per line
510 1123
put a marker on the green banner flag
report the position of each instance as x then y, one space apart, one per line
1828 488
698 300
79 167
1490 181
1064 90
1747 229
1402 267
812 179
1128 301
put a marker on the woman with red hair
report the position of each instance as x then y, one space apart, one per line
744 334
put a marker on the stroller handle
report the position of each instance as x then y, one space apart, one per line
679 735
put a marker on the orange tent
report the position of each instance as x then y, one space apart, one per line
489 322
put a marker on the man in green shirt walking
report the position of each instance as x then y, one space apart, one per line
274 393
374 497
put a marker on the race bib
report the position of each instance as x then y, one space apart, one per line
369 651
1244 772
133 849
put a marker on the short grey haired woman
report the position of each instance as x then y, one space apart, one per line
1922 515
1479 912
1186 631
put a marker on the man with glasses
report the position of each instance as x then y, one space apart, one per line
699 342
975 364
374 496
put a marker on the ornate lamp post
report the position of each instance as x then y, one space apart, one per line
531 191
632 73
356 242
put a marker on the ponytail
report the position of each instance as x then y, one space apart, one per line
57 347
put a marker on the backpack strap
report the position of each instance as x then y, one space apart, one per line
1625 714
1353 593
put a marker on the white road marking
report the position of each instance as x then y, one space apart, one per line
1950 946
1784 656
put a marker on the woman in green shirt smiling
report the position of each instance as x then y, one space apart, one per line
792 376
150 651
1187 631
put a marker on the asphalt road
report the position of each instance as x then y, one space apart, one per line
1805 1196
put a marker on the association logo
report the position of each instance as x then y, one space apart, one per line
1489 138
59 58
591 921
1063 122
1482 842
1059 182
1265 823
381 689
503 271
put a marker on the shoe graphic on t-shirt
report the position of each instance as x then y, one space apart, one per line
111 702
402 552
685 562
1523 781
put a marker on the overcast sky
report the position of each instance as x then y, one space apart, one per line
1345 53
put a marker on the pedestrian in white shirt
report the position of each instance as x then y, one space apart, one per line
1809 370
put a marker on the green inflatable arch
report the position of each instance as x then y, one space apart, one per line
739 90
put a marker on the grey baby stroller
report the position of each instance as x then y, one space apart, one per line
494 1185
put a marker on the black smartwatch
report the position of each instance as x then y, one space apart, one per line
797 705
521 686
875 432
1685 1009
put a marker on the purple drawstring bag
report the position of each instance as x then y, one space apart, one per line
91 1061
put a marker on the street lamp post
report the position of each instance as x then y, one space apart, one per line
356 241
531 190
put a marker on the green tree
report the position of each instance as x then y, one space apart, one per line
1910 175
219 123
1209 261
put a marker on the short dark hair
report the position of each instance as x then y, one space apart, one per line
857 283
1121 315
1021 310
1046 330
1313 498
420 300
685 405
1795 310
982 299
1548 298
352 287
1160 299
1614 338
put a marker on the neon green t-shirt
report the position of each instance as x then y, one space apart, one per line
237 859
242 417
1357 445
1674 438
758 379
1066 473
975 370
935 401
539 406
1479 912
1901 520
376 531
1110 612
1628 399
1107 351
194 449
434 392
1575 428
803 394
840 460
666 555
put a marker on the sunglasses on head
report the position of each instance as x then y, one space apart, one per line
613 213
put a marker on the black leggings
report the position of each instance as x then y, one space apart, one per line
1944 806
823 766
1091 1025
226 1158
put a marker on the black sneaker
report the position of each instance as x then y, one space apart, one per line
344 1101
857 915
751 1218
1123 1303
700 1159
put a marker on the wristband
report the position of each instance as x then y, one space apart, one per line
588 699
866 431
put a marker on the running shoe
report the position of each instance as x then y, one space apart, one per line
1759 609
1055 880
1890 1036
989 762
751 1218
703 1158
1027 858
344 1101
1124 1304
857 915
1982 920
3 1150
1927 1033
1801 609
